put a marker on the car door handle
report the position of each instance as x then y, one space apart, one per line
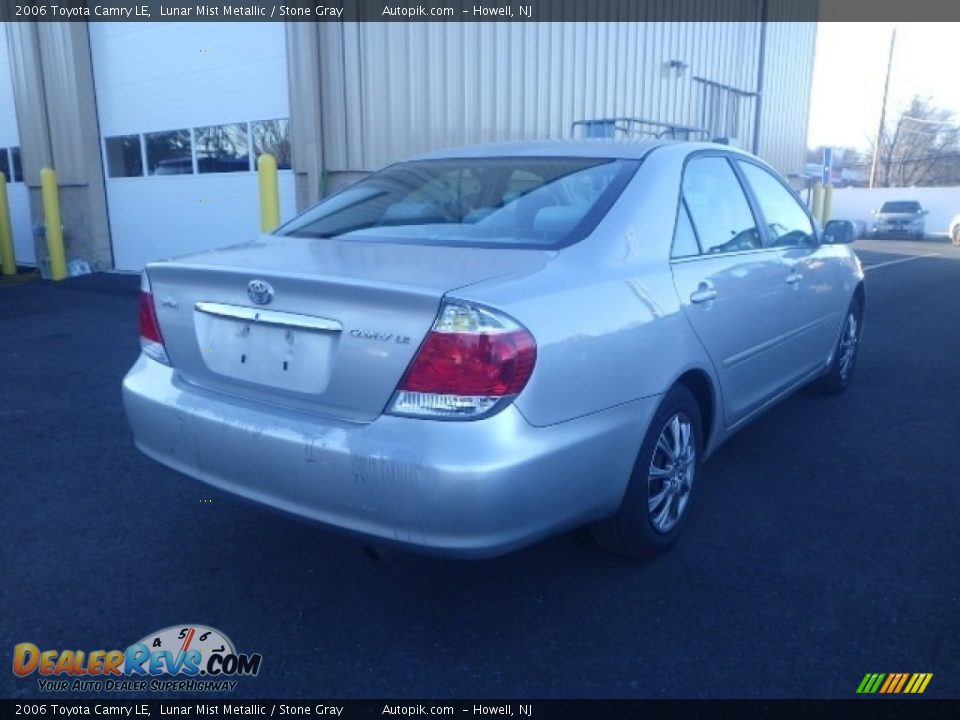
704 293
794 278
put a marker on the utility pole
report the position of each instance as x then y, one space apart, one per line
883 111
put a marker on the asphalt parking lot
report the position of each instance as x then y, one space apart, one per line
824 544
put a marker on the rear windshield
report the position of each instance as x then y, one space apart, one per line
516 202
900 207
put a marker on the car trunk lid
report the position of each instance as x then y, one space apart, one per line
341 325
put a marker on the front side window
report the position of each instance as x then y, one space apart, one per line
787 221
518 202
718 207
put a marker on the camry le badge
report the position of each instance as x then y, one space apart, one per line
260 292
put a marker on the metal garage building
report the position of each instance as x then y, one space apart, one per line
10 164
154 128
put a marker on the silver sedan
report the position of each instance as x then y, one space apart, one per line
475 349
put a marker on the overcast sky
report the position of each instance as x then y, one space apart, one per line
849 71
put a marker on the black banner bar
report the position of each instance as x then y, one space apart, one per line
475 10
873 709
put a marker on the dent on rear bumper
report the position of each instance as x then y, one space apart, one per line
464 488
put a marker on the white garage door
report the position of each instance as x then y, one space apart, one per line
10 162
184 110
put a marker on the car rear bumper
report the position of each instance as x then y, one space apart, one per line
477 488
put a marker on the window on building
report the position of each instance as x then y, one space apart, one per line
684 238
787 221
5 164
222 148
124 156
272 136
718 208
169 153
16 166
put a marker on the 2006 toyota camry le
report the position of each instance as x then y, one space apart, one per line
474 349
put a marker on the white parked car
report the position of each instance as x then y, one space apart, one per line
903 218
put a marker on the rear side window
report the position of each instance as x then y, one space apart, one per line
517 202
787 222
718 208
684 238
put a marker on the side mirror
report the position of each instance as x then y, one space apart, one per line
839 232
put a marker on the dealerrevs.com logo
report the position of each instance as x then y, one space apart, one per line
185 658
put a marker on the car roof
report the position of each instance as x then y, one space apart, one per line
600 148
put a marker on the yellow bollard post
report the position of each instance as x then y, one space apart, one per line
7 258
51 215
816 202
827 203
269 194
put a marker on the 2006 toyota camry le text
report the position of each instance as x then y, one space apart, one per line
474 349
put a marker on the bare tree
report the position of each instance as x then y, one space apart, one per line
921 148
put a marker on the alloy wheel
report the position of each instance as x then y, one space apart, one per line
671 475
848 345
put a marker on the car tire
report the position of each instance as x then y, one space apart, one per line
840 373
658 499
956 236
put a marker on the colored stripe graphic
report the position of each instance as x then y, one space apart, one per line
903 680
894 683
918 683
870 683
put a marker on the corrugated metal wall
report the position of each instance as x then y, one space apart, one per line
394 89
788 77
9 134
17 194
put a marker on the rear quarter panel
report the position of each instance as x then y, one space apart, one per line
605 313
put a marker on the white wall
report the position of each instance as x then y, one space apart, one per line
166 76
17 194
153 77
185 214
856 203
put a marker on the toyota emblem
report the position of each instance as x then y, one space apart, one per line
260 292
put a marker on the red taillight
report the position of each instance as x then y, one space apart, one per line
149 327
151 339
458 363
472 361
